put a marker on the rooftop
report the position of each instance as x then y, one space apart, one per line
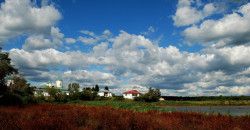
59 79
11 78
132 91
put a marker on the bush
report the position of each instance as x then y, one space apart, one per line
87 95
101 98
153 95
139 99
9 99
119 98
29 100
148 97
51 116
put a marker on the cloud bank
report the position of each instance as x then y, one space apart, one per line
126 60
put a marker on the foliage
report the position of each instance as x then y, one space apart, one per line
20 98
6 70
20 93
49 116
11 99
102 98
55 95
74 89
106 88
40 95
96 88
20 83
119 98
152 95
87 95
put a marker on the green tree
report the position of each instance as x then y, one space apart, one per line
74 89
6 70
20 93
20 83
152 95
40 95
155 91
96 89
106 88
87 95
54 94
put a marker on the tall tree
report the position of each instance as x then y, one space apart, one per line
106 88
6 70
54 94
74 87
20 83
96 89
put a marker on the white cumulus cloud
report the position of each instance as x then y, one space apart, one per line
19 17
232 29
186 14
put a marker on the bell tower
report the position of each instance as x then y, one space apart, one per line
59 83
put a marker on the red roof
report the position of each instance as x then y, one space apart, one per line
132 91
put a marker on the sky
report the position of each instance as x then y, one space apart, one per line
182 47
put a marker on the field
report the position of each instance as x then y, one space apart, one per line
52 116
129 104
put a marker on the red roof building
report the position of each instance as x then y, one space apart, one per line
131 94
132 91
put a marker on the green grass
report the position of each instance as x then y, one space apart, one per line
144 106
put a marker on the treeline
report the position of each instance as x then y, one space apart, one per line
205 98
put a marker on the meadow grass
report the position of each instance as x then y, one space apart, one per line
145 106
131 103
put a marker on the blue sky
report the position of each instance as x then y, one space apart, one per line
183 47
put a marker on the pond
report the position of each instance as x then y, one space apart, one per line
225 110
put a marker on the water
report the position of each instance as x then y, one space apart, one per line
225 110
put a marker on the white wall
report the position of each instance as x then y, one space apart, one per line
102 94
9 82
130 96
58 83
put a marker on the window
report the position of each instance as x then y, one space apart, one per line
134 94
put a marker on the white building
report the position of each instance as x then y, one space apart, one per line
105 93
59 85
131 94
49 84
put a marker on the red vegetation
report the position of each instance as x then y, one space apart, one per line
51 116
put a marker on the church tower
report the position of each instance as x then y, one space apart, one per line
49 84
59 83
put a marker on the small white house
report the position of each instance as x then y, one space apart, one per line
131 94
105 93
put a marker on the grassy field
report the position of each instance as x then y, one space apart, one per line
129 104
52 116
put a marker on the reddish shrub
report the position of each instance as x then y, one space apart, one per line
51 116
